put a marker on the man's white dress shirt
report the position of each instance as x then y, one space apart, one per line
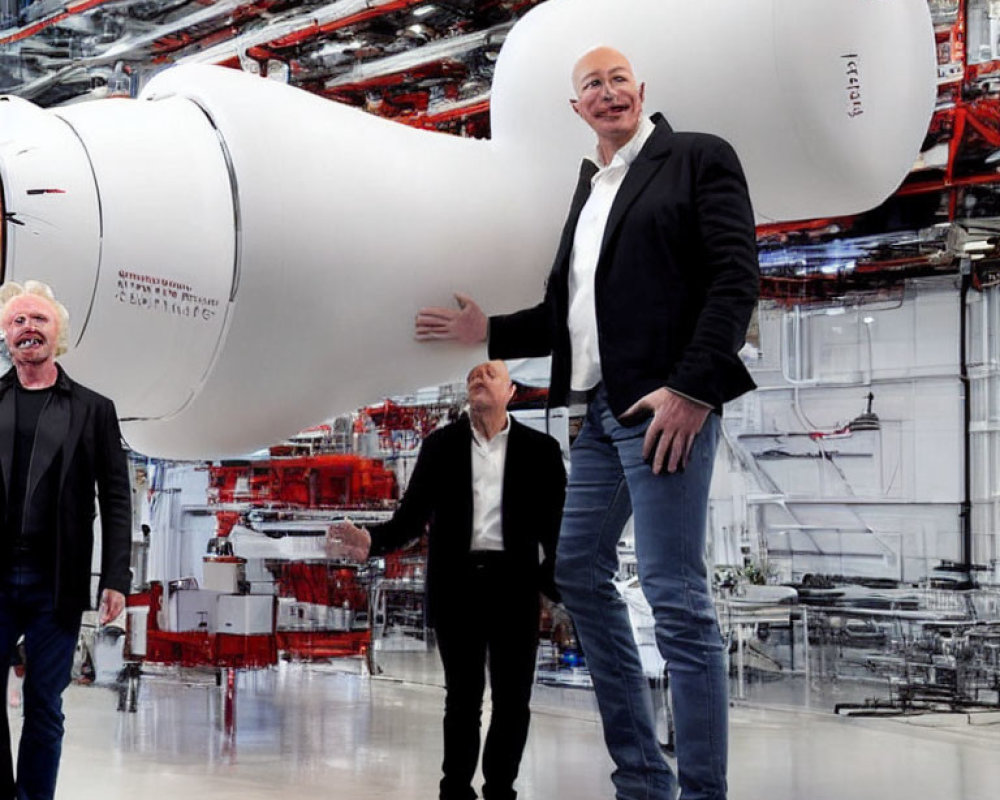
586 357
488 460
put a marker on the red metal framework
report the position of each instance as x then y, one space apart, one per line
313 482
400 426
311 645
322 583
71 9
197 648
316 30
328 596
441 81
213 32
404 94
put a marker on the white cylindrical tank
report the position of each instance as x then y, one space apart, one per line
242 259
826 101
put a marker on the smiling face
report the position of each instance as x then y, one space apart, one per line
608 98
489 387
31 329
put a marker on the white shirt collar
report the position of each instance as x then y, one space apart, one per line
501 434
628 152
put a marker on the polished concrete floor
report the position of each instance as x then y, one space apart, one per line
307 731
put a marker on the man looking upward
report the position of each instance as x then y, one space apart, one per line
491 490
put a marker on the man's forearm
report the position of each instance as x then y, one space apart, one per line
523 334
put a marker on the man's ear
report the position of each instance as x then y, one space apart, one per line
573 104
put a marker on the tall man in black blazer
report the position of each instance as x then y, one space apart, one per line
645 309
489 491
59 442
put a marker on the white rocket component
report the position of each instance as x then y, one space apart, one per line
241 259
826 101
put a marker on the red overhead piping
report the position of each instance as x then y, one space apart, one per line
317 29
36 27
430 120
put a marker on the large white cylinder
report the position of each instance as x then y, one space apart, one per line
242 259
826 101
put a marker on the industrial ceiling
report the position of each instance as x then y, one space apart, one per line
430 64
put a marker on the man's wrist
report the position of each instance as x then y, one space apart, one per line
701 403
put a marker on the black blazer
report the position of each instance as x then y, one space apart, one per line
82 427
440 493
676 282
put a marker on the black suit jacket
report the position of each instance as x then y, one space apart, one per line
82 427
677 278
440 494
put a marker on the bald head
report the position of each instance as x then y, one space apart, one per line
596 59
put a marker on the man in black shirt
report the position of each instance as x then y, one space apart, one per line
59 441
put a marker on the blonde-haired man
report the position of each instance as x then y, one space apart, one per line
32 289
59 446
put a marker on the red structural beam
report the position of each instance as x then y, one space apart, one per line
315 29
311 645
441 68
982 117
36 27
772 229
226 28
430 120
923 187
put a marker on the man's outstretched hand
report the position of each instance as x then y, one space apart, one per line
345 540
466 324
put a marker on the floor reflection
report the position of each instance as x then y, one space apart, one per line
320 731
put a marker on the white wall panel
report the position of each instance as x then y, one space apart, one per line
823 497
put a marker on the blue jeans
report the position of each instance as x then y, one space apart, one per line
608 481
26 608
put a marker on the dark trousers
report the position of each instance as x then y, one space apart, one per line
494 622
26 609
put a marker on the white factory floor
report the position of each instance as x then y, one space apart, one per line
329 732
